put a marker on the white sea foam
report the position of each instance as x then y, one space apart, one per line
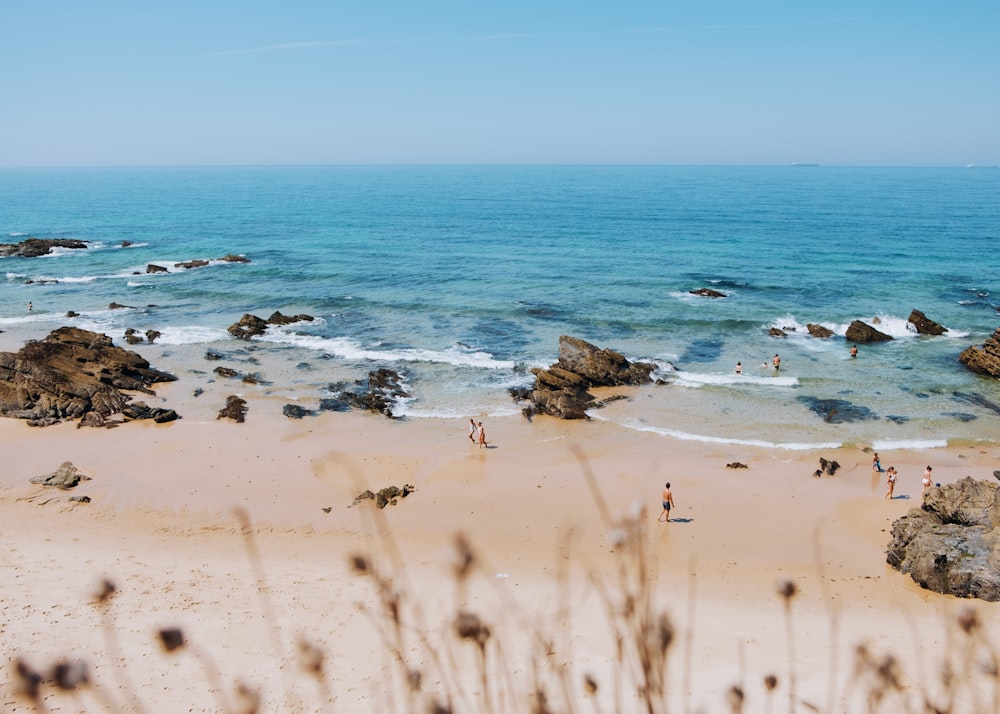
908 444
700 379
14 276
190 335
350 349
685 436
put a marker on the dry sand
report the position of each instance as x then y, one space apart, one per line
163 527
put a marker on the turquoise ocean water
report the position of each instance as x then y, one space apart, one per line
462 278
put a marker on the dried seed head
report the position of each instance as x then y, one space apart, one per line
171 638
787 589
665 632
104 591
589 684
414 678
28 680
968 620
360 564
70 675
770 682
310 658
465 559
470 627
247 700
437 707
735 697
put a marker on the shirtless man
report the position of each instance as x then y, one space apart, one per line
668 503
776 362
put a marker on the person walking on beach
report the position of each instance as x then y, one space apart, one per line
926 482
776 362
473 430
482 436
668 503
876 464
890 480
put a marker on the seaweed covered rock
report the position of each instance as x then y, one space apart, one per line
951 544
69 374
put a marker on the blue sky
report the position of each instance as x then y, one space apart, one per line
196 83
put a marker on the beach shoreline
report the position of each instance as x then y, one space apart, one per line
164 525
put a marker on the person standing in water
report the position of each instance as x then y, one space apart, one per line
776 362
668 503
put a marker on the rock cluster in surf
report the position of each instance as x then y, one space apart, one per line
984 358
562 389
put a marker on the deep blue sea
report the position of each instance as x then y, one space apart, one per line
464 277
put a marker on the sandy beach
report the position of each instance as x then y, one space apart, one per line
164 526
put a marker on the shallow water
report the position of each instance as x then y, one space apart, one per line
463 278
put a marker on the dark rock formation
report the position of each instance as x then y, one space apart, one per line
69 374
65 477
235 409
819 331
151 335
386 496
828 467
277 318
859 331
232 258
212 356
226 372
777 332
379 393
984 358
838 411
119 306
707 292
251 326
72 313
951 544
153 268
736 465
140 410
924 325
294 411
187 265
34 247
561 390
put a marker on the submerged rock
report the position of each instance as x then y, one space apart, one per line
838 411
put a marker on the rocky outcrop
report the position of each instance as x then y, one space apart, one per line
67 476
984 358
707 292
251 326
951 544
819 331
562 389
34 247
188 264
69 374
924 325
380 393
154 268
859 331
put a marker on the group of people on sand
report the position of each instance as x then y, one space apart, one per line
477 432
891 475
